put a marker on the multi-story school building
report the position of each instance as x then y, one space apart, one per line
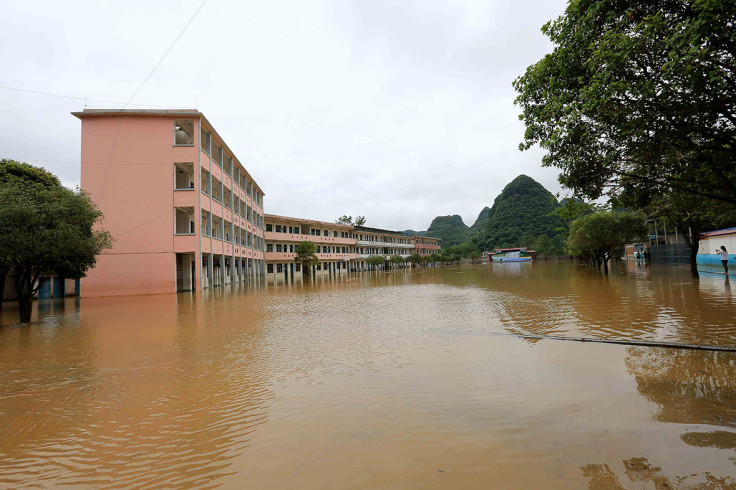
340 248
184 212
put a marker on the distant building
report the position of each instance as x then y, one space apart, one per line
183 210
425 245
336 245
340 248
712 241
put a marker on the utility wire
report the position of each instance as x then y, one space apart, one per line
120 118
16 89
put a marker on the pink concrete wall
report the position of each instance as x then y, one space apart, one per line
128 168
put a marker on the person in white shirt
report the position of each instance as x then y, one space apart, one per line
724 258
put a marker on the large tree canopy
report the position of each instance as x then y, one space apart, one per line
639 91
45 229
597 237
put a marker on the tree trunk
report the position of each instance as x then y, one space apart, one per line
694 260
3 275
25 295
605 265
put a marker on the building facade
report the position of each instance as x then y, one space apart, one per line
710 245
376 241
424 245
340 248
184 212
336 245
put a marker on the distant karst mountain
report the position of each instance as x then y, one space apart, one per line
450 229
519 212
481 221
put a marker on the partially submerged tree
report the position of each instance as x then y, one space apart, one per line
473 256
637 91
45 229
599 236
305 255
376 261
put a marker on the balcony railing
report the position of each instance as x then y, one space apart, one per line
367 243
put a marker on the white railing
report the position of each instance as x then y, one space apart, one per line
367 243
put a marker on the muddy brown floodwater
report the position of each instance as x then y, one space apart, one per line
389 380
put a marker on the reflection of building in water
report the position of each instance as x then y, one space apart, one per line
184 212
340 248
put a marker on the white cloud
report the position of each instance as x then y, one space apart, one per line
397 110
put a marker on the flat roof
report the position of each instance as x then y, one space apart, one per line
725 231
379 230
305 221
85 113
427 237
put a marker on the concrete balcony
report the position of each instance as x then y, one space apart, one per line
272 236
289 257
366 243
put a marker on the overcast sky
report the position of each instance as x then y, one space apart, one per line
397 110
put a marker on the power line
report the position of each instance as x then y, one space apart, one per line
171 46
120 117
62 96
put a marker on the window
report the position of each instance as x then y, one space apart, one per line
325 233
269 227
205 140
278 228
269 247
317 250
183 176
184 221
269 268
205 227
312 231
229 166
204 184
297 267
184 132
297 230
217 154
279 267
216 189
279 248
334 234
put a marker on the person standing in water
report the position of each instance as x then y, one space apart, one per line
724 258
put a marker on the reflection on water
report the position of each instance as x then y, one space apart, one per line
377 379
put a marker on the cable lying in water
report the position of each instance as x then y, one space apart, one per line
642 343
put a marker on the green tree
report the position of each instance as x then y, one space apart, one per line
543 245
395 260
306 255
376 261
473 256
637 92
45 229
598 236
348 220
415 258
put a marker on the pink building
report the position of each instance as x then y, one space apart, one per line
425 245
184 212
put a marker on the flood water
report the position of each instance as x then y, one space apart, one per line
379 380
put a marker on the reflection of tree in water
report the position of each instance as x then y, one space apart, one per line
690 387
640 473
